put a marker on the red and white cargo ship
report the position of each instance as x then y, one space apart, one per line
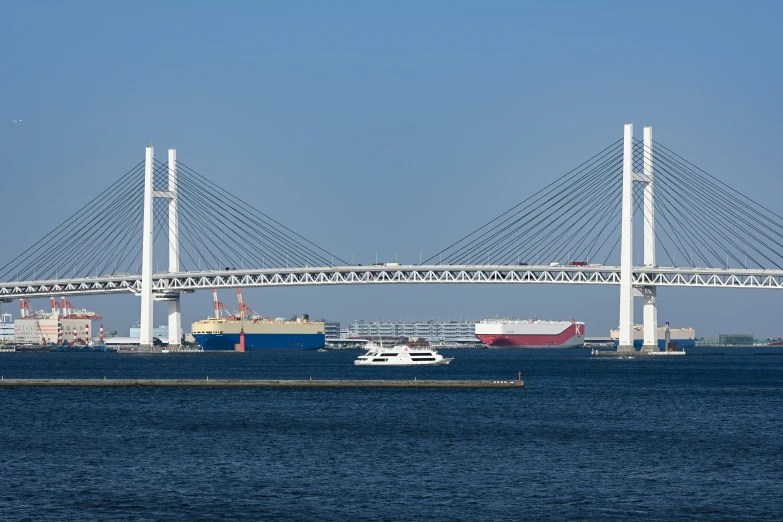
533 333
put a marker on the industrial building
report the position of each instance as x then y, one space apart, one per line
33 331
432 331
64 324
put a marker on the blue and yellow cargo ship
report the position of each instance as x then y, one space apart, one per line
260 334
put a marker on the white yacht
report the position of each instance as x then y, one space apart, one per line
400 355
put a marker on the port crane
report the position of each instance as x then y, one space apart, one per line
221 309
244 310
56 308
71 312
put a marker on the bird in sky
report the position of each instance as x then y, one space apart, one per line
17 121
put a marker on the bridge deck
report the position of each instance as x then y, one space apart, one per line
168 284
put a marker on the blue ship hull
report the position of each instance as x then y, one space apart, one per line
681 343
261 341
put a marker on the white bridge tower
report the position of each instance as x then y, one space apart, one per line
147 295
627 290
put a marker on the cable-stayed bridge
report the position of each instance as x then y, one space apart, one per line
687 227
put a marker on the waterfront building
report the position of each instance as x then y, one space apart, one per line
332 330
161 332
32 331
735 339
6 328
432 331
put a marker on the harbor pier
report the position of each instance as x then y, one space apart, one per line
259 383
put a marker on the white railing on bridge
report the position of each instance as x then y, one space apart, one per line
173 283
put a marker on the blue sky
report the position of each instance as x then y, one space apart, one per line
391 128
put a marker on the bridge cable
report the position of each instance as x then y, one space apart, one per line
637 202
241 203
502 233
712 216
584 213
221 210
576 206
69 243
577 170
197 218
737 224
105 233
502 228
579 195
692 233
281 251
14 264
717 181
679 192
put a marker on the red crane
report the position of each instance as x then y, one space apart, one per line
220 308
244 310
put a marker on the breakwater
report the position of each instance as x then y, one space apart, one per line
253 383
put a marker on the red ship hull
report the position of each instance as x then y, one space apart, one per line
571 337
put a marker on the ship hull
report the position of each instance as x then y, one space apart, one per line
511 342
531 336
264 341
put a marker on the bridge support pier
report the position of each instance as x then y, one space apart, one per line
650 319
175 317
649 292
145 333
627 290
147 296
175 324
625 342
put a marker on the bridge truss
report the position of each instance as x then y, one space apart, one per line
164 284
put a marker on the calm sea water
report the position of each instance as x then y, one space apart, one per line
699 437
